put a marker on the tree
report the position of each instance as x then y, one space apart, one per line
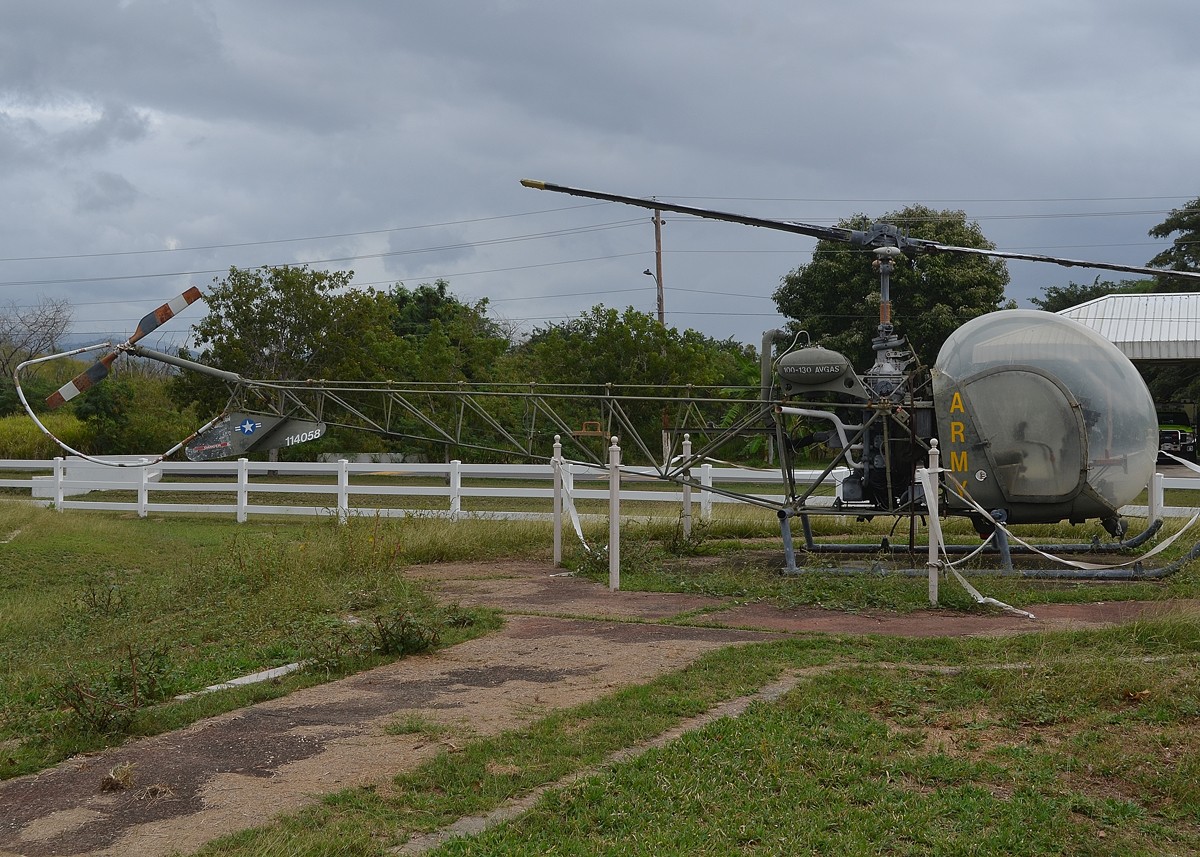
836 296
1056 298
626 349
290 323
444 338
133 414
1184 253
27 332
603 346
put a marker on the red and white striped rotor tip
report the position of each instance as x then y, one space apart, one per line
99 370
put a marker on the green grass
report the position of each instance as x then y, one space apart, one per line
1039 744
103 619
657 558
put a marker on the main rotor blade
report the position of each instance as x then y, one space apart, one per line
164 313
932 247
828 233
96 373
878 235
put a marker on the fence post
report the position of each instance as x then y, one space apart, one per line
614 516
343 507
58 483
706 496
556 467
935 529
243 485
1154 498
144 493
455 489
687 489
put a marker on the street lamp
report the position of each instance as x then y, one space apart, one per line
661 309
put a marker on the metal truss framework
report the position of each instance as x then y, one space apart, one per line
520 421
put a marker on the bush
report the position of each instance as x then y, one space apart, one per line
403 632
21 439
105 700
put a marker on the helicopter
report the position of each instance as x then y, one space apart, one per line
1039 417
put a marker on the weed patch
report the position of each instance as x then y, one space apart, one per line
97 646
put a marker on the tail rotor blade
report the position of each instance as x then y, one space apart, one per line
99 370
96 373
164 313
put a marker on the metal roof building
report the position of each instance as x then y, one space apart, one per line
1146 327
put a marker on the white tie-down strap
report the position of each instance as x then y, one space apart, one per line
1189 465
569 502
971 555
929 483
1086 566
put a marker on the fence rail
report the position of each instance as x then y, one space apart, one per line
70 478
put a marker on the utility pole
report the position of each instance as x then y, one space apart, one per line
662 312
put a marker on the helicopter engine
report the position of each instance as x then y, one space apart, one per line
881 454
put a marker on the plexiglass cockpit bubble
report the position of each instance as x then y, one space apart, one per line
1055 402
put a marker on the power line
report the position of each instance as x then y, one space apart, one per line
619 224
289 240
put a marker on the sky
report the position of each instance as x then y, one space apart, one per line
148 145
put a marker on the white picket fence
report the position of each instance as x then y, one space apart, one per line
70 480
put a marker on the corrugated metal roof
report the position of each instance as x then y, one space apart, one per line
1162 326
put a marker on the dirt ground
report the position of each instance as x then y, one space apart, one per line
565 641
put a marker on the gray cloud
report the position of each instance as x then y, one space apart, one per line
230 123
118 123
105 192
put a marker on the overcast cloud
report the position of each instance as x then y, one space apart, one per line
150 125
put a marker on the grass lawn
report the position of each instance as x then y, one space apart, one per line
1062 743
718 560
105 618
1058 743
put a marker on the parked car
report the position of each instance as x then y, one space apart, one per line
1175 433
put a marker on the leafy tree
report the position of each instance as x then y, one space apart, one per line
1178 380
445 339
1184 253
602 346
131 412
626 349
1056 298
836 296
290 323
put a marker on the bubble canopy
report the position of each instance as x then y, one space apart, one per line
1005 362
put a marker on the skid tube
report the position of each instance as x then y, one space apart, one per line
1137 572
811 546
